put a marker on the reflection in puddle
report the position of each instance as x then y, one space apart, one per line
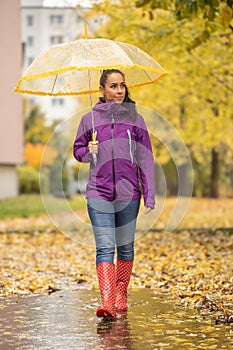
66 320
115 335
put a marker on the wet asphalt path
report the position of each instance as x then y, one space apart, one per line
66 320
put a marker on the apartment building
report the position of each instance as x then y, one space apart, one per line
45 26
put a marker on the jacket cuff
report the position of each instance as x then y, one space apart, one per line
149 203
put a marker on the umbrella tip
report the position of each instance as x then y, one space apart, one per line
85 31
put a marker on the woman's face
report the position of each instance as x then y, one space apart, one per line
114 89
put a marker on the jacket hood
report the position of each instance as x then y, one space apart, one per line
110 107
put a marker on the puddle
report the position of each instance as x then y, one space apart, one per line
66 321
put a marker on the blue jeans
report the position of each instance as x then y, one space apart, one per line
113 224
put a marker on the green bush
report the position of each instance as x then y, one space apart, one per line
28 179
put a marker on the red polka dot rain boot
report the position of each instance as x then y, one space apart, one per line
123 274
106 276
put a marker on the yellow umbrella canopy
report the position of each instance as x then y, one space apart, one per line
75 67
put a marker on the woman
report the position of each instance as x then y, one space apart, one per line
123 170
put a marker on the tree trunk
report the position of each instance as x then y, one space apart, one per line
214 174
184 181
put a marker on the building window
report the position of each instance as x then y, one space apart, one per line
31 102
56 19
30 21
30 60
58 101
30 40
79 18
56 39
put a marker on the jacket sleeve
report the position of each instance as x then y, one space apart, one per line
80 149
145 162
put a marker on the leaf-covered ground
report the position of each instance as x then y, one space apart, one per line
193 267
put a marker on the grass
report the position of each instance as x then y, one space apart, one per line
202 212
32 205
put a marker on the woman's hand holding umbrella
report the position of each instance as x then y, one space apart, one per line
93 147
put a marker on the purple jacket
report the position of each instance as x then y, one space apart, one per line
125 165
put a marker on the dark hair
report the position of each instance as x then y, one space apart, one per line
127 99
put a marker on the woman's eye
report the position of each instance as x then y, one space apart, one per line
114 86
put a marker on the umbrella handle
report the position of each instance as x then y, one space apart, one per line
94 159
94 156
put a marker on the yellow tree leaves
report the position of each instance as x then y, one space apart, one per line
34 152
190 267
213 11
199 81
187 267
225 14
36 128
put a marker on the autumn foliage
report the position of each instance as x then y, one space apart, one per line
192 267
33 154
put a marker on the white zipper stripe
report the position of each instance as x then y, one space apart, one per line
130 145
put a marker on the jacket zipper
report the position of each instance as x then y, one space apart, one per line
113 165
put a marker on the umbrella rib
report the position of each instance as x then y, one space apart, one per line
58 73
54 83
148 76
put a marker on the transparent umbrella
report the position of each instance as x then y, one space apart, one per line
75 67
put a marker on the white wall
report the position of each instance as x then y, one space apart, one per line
8 181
